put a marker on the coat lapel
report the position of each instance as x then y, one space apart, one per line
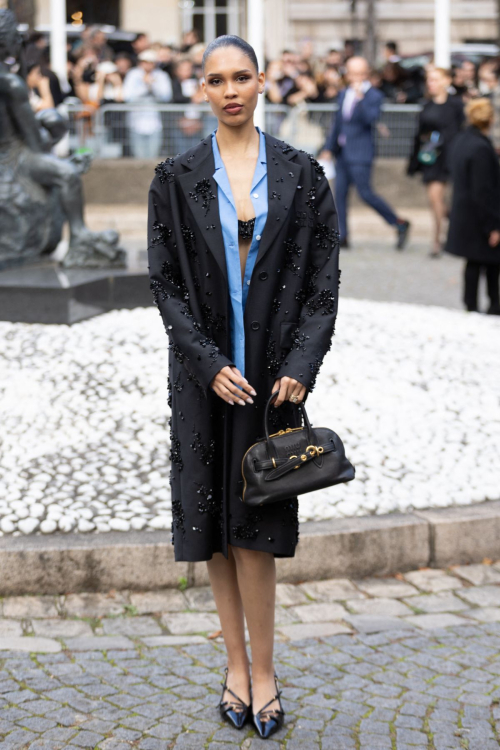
200 193
282 181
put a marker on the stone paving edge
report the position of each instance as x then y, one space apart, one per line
350 547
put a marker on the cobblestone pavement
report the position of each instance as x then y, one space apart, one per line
402 663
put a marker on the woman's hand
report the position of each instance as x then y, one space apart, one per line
226 382
288 386
494 238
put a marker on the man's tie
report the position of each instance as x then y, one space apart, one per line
346 116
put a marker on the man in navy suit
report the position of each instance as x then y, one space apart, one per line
351 141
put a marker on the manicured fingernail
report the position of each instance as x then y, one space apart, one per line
231 402
240 401
254 393
250 400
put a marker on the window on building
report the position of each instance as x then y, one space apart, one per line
210 18
93 11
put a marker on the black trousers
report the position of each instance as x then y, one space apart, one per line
471 279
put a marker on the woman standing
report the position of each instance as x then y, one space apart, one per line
474 231
439 122
243 261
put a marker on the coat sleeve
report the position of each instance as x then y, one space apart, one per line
333 134
191 343
313 336
369 109
483 189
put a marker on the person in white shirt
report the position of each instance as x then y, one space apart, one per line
146 83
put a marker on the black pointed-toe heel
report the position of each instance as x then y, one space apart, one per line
269 721
234 712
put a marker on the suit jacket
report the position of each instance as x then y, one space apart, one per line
359 130
475 208
289 322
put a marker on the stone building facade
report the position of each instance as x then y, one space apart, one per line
289 22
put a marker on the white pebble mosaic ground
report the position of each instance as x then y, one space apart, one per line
413 392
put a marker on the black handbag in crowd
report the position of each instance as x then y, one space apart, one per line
292 462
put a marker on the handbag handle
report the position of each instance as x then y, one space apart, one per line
270 447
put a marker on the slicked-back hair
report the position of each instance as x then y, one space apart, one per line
230 40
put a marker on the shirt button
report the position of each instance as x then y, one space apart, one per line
255 325
263 275
255 195
248 282
258 237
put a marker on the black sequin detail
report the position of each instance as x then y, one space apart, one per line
178 385
159 290
311 202
203 189
325 234
214 349
210 505
163 171
170 273
216 322
299 339
317 166
175 451
276 304
178 517
189 241
205 452
164 234
272 360
309 289
247 529
324 301
178 353
285 147
245 228
291 249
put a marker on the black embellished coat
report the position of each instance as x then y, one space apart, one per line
289 323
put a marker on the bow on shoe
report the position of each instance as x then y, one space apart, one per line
267 721
234 712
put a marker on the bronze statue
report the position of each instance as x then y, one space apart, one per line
39 191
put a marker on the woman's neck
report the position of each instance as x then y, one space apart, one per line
440 98
238 141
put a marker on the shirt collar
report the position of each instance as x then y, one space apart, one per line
364 87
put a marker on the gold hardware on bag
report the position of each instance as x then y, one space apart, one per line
315 450
288 429
274 461
290 457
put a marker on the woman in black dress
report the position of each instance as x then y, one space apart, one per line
243 262
439 122
474 231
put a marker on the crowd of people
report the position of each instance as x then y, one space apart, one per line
151 73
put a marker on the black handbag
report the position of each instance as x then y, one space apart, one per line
292 462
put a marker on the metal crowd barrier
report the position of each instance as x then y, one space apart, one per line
120 130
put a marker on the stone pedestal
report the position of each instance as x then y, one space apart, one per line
44 292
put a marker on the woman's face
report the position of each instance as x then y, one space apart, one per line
232 85
437 83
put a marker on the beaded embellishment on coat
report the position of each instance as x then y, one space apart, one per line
245 228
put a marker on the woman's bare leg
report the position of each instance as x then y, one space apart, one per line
222 574
435 194
256 572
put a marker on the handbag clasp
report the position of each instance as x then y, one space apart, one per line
315 450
